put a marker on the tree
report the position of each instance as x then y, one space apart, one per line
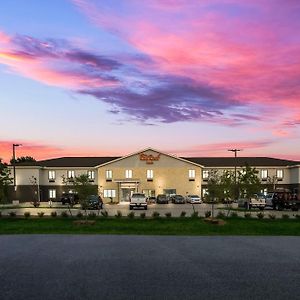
248 181
227 181
82 186
5 180
35 191
22 159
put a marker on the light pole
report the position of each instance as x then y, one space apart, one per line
235 165
14 165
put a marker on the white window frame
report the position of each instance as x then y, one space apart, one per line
71 174
91 175
264 174
109 193
205 174
51 175
52 193
150 174
128 174
192 174
279 174
108 174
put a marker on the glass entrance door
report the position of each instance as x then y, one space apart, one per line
126 194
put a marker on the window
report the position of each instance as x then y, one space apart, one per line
109 193
204 192
205 174
52 194
264 174
192 175
71 174
108 175
91 175
279 174
149 175
128 174
51 176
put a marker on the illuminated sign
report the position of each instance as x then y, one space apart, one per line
149 158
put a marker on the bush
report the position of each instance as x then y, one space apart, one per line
296 216
26 214
143 215
220 215
207 214
40 214
104 213
233 214
260 215
183 214
130 215
53 214
0 214
92 215
119 214
284 216
64 214
12 214
155 215
247 215
79 215
272 216
168 214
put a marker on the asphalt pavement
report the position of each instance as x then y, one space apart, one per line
148 267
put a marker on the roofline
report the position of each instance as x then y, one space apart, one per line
147 149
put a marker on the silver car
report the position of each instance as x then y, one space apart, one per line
193 199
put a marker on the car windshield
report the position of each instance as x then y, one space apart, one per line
137 195
194 196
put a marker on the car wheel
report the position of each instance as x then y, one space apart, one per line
146 208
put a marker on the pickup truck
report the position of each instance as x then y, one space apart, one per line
283 198
138 200
257 201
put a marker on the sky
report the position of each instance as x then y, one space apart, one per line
112 77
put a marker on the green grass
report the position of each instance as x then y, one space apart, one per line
172 226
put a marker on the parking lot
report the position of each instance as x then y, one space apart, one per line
162 209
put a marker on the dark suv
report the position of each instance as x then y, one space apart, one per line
69 198
93 202
162 199
177 199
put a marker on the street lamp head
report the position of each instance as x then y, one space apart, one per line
17 145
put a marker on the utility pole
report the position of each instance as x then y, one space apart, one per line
235 166
14 166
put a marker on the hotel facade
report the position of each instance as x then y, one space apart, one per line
148 171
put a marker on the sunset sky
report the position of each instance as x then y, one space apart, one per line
188 77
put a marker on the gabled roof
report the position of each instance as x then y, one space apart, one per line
241 161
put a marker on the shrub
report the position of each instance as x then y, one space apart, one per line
104 213
119 214
296 216
53 214
220 215
143 215
272 216
130 215
284 216
40 214
0 214
247 215
260 215
92 215
155 215
64 214
233 214
79 215
168 214
12 214
207 214
183 214
26 214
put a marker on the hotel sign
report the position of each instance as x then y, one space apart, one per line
149 158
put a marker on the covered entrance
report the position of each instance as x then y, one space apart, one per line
126 188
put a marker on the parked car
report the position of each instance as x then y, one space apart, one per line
282 198
193 199
151 199
257 201
162 199
93 202
178 199
138 200
69 198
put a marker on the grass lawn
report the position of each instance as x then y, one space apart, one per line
163 226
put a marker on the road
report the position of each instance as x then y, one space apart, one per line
148 267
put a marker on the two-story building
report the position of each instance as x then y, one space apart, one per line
149 171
